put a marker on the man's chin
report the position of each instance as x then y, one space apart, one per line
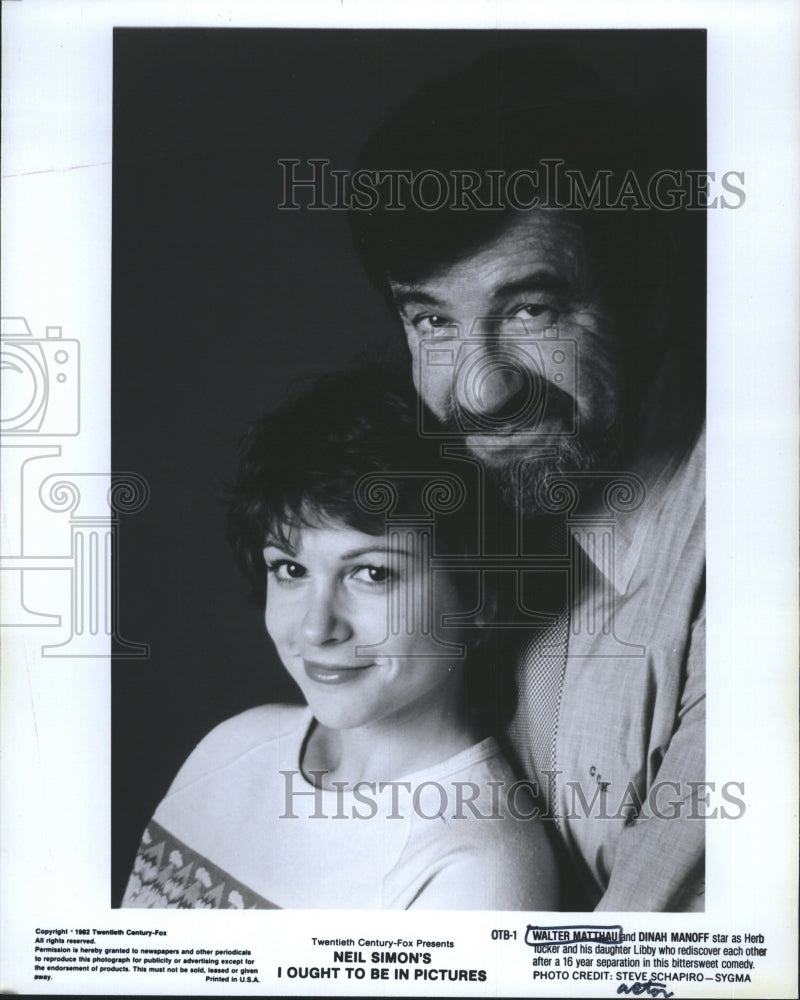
520 471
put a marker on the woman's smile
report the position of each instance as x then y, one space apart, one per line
335 674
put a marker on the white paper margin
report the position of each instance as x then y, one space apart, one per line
57 64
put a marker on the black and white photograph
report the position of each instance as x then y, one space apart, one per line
556 339
370 421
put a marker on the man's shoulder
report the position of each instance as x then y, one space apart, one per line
664 536
677 483
675 521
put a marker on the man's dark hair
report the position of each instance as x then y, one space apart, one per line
514 110
509 110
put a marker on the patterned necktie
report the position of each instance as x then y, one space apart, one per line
540 666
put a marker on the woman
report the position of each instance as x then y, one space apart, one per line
386 791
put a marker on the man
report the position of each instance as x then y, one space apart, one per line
554 317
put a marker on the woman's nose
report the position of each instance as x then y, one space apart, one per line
323 621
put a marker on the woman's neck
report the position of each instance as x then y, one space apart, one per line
421 735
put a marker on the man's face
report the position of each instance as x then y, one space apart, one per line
512 348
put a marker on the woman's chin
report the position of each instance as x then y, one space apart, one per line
338 716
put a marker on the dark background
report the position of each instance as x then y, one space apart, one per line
220 300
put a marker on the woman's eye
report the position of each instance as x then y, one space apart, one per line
372 574
284 570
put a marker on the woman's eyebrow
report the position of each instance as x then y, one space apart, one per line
415 296
383 550
278 546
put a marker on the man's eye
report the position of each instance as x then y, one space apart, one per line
285 571
433 323
373 574
537 314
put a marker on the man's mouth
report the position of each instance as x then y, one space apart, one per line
547 433
534 415
324 673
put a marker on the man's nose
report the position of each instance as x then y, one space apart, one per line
497 379
499 385
324 621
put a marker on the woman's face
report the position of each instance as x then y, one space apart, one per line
337 592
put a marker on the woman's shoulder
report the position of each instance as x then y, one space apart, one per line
236 737
261 722
493 852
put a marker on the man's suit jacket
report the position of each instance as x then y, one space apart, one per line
610 721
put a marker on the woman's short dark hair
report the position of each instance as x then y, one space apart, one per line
301 463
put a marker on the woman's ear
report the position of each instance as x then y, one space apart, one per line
485 619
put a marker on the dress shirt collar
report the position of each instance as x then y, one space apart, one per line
673 478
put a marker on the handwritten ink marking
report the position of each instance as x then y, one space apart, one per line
545 937
651 987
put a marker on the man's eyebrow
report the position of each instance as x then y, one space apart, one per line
538 281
